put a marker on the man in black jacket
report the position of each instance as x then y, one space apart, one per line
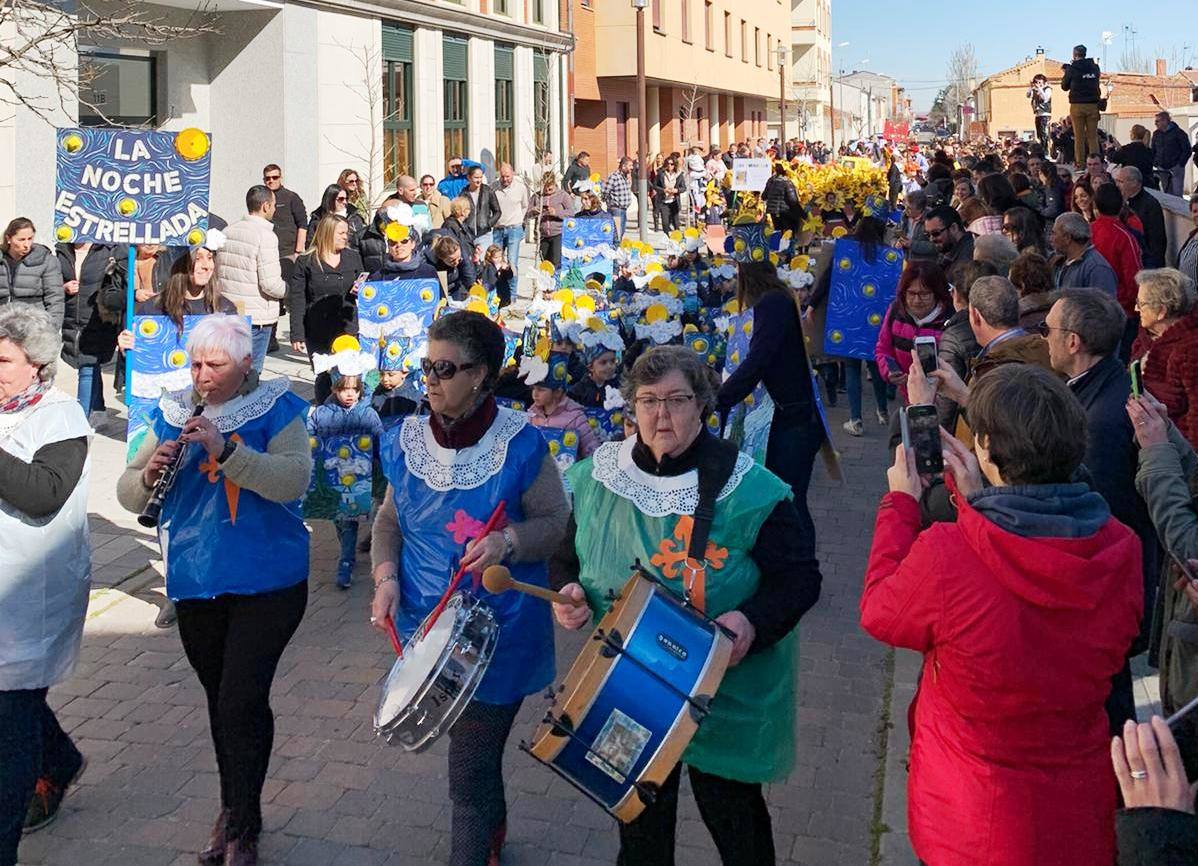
89 329
1084 330
578 171
1081 79
1148 209
484 209
445 254
1170 151
373 245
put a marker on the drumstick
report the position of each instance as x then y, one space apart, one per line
394 635
498 579
491 524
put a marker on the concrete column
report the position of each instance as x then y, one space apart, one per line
564 105
729 115
523 119
713 119
481 86
428 123
557 141
653 119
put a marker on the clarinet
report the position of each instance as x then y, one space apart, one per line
153 510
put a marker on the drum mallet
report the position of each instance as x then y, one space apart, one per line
498 579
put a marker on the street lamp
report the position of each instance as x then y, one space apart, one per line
642 129
781 49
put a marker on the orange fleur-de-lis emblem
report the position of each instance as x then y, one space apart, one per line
210 468
672 559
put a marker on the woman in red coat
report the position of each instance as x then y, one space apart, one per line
1024 610
1167 344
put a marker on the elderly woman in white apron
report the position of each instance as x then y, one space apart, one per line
45 570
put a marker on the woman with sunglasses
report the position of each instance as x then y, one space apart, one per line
446 472
403 260
336 201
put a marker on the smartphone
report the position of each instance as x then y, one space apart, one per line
925 351
1184 566
1137 386
921 433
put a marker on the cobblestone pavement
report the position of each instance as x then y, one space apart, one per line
337 795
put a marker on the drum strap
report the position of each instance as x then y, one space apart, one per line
714 469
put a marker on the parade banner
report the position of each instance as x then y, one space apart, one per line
588 248
861 292
607 423
342 476
749 174
118 186
158 362
563 446
749 421
394 315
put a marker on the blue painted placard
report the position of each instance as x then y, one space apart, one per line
860 293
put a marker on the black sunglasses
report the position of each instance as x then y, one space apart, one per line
444 370
271 176
1044 328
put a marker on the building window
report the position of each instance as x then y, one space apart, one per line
504 102
686 20
397 120
117 88
623 110
501 7
542 112
709 24
727 34
538 11
744 41
757 45
655 7
769 52
457 101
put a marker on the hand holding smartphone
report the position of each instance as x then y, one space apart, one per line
1137 383
920 429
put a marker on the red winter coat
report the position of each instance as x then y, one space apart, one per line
1010 759
1170 372
1122 251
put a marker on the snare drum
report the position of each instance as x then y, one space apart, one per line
634 698
430 685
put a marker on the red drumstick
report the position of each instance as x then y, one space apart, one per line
394 635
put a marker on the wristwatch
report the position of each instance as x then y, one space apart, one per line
509 543
227 451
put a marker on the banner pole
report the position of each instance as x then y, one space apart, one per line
131 278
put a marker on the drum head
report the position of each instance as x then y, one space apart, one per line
409 674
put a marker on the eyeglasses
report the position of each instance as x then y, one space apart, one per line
443 370
920 295
341 198
428 183
673 403
935 233
351 181
1043 328
269 177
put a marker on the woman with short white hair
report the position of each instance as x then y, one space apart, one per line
45 570
236 551
1167 345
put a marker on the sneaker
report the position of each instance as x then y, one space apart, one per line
364 544
854 427
343 573
883 418
47 800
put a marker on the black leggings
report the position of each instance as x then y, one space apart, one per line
234 643
476 743
669 214
734 812
551 250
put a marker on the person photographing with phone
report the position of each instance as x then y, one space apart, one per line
1166 475
1024 611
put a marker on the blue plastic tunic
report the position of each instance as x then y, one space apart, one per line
443 497
218 538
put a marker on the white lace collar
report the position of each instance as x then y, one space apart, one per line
228 416
656 496
458 469
10 421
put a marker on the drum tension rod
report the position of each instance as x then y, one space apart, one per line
613 645
563 726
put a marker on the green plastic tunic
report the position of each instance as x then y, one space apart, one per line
624 514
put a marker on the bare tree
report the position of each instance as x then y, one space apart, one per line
41 41
1131 60
687 114
368 91
962 78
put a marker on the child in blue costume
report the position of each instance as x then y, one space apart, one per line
346 413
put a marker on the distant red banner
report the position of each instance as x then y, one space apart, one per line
896 130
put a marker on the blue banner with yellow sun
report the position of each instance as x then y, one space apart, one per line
120 186
861 292
158 362
341 482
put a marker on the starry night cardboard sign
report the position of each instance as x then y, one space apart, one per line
861 292
118 186
588 246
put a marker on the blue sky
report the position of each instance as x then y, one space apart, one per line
912 41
